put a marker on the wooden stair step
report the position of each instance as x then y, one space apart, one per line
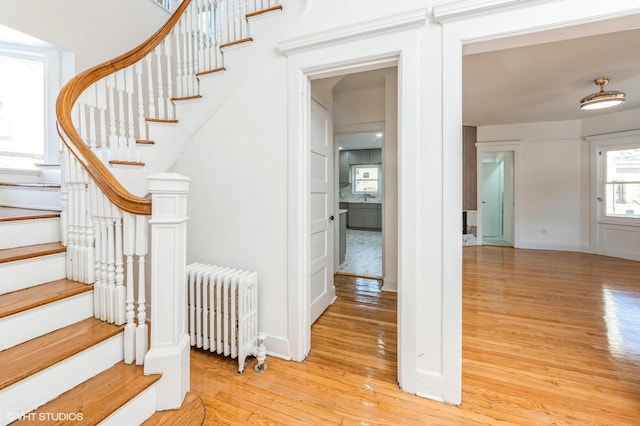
41 186
211 71
126 163
191 413
40 295
29 252
35 355
264 11
8 214
236 43
187 98
98 397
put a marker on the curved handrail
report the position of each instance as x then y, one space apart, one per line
70 93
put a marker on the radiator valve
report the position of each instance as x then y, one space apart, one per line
261 355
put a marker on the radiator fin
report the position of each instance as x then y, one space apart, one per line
223 310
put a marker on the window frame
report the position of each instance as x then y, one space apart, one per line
602 181
59 66
354 180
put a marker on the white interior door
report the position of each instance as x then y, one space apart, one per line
491 200
322 291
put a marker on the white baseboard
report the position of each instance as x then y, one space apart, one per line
277 347
390 285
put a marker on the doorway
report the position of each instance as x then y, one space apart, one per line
497 198
361 203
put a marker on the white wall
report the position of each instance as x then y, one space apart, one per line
358 107
94 30
555 191
548 183
238 201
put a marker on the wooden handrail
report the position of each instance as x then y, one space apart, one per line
70 93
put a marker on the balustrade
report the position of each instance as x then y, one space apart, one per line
103 116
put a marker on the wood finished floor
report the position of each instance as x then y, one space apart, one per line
549 338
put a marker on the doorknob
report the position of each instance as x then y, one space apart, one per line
331 217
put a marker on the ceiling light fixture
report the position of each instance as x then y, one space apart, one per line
602 99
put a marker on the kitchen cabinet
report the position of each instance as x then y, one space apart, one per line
365 215
469 168
343 167
360 156
375 156
342 218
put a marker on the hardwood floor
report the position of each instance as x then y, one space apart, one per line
548 338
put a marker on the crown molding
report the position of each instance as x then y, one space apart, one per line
463 9
394 23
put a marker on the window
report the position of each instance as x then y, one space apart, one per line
22 110
366 179
622 182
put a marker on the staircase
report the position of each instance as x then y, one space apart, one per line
65 249
60 363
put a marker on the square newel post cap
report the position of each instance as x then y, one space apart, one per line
168 183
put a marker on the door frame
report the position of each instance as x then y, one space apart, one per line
489 147
320 60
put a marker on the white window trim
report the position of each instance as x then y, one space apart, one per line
59 67
353 179
599 145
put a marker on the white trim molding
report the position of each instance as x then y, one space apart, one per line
400 22
463 9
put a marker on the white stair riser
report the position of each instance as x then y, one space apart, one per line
135 411
29 272
48 199
18 233
38 389
26 325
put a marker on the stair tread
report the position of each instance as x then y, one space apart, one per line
37 354
191 413
40 295
31 185
15 213
98 397
28 252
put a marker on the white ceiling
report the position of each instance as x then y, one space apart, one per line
545 82
541 76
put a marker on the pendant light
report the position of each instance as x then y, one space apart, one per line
602 99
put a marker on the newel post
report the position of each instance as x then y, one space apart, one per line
170 345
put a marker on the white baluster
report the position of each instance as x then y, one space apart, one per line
119 298
104 257
188 40
64 196
122 136
169 61
72 247
111 264
152 106
132 154
89 257
160 94
195 42
81 258
179 60
101 89
98 287
113 137
142 125
129 250
142 334
92 101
